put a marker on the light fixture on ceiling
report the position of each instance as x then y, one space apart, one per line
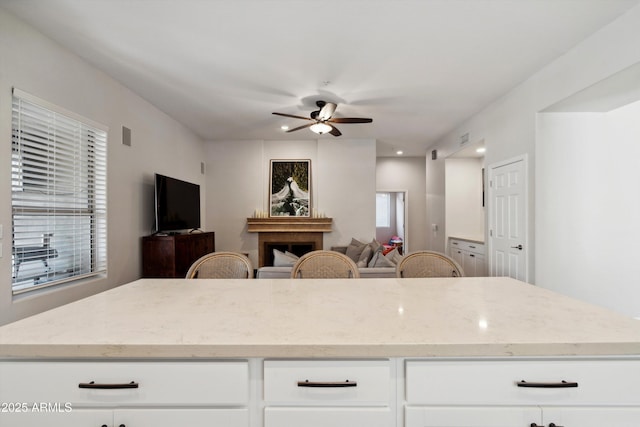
481 150
284 127
399 152
320 128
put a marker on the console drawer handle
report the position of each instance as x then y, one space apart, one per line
108 386
327 384
561 384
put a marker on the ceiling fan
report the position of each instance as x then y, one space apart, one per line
320 120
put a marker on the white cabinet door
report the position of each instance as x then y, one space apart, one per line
181 417
74 418
459 256
472 416
592 417
470 256
481 266
328 417
470 265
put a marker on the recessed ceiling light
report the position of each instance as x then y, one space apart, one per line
284 127
399 152
481 150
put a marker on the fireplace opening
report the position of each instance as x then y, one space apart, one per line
296 235
297 248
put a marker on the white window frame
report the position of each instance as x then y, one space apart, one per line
58 195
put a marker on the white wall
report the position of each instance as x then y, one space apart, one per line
508 125
407 174
35 64
463 198
588 206
341 188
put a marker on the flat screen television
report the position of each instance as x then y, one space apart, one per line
177 204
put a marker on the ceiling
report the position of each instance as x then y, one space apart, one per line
418 68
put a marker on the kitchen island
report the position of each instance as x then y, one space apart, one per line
378 352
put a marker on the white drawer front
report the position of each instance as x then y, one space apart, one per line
182 417
327 382
126 417
457 416
467 246
324 417
477 248
465 382
73 418
592 416
174 382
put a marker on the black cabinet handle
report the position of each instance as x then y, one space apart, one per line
554 425
561 384
327 384
534 425
108 386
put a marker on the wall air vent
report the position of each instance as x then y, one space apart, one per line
464 138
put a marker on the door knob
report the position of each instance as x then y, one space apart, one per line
519 247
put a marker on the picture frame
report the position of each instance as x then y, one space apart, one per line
290 188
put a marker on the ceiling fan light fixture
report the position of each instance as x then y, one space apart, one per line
320 128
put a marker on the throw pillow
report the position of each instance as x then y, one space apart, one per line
379 260
354 250
394 256
291 255
375 245
363 260
282 259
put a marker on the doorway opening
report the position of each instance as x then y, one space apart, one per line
391 219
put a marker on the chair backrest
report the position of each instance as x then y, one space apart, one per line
428 264
221 265
325 265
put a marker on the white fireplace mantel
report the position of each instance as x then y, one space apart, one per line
289 224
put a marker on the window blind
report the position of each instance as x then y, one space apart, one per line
58 188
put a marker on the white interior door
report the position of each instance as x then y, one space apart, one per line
508 219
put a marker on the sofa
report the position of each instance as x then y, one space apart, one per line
371 259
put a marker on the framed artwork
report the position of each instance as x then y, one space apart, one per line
290 188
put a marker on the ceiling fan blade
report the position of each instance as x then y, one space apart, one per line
301 127
327 111
334 131
349 120
292 116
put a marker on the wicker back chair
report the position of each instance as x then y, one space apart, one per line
428 264
221 265
325 265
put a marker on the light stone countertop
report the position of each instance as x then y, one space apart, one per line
176 318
